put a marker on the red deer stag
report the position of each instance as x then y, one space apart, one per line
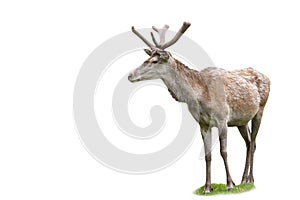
215 98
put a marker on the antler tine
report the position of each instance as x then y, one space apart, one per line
154 28
154 40
142 38
162 34
184 27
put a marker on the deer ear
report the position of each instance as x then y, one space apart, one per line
149 52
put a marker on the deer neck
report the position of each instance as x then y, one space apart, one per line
181 82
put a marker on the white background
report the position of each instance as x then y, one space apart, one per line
42 47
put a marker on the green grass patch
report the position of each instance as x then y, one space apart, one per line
221 189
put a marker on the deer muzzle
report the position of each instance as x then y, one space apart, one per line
132 78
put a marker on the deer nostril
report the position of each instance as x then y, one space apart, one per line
130 76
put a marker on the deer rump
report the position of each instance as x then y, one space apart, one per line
235 96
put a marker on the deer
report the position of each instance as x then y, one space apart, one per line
214 96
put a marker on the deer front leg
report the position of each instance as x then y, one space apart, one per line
206 136
223 150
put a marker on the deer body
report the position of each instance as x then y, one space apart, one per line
215 98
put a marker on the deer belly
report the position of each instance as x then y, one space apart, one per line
241 116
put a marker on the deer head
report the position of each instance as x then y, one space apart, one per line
159 61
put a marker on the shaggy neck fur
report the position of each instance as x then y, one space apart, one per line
184 84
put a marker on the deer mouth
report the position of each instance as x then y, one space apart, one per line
135 80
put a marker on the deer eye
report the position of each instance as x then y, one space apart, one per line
155 61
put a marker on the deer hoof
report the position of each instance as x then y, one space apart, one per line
230 186
208 189
250 179
244 180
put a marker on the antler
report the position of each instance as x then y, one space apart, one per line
142 38
162 32
181 31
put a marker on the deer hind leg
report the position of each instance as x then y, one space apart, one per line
245 132
206 136
255 127
223 150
